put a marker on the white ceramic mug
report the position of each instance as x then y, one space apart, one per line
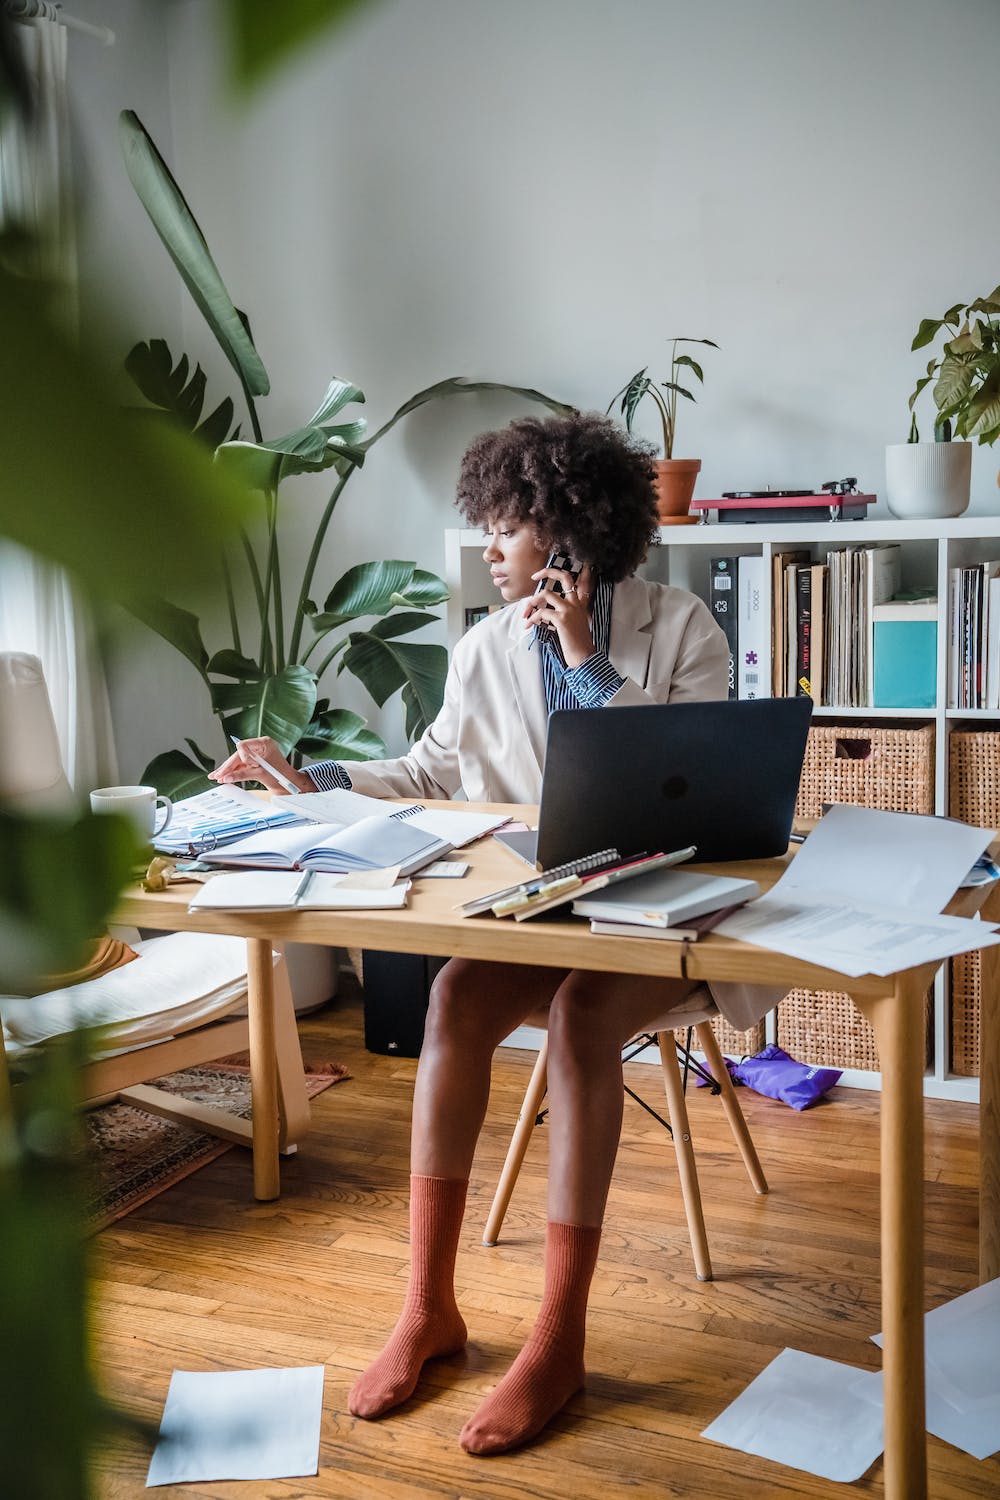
136 802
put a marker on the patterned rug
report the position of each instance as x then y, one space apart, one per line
135 1155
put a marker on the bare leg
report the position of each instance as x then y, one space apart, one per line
591 1018
472 1008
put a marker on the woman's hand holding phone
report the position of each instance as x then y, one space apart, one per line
561 602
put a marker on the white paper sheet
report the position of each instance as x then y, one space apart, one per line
863 894
808 1413
962 1350
976 1432
239 1424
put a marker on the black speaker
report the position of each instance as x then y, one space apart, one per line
396 987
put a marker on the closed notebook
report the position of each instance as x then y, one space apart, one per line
284 890
371 844
666 898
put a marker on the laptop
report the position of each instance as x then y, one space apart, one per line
721 776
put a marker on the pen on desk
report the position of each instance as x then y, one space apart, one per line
279 777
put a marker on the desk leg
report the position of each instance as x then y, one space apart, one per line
263 1068
989 1104
899 1028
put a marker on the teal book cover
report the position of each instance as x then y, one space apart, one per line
905 651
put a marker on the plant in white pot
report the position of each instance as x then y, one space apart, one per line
675 477
932 480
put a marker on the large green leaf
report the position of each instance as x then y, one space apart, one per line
186 245
307 450
263 34
178 626
982 419
387 665
230 663
458 385
339 393
175 775
166 386
424 590
337 734
369 588
954 382
101 478
280 706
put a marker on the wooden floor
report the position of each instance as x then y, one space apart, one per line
202 1278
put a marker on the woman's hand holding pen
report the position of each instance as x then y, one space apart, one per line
568 612
247 764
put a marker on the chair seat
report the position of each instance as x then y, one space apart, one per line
178 982
696 1007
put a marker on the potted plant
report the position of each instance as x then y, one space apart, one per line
675 477
270 678
932 480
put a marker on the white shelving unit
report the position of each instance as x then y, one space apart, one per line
930 548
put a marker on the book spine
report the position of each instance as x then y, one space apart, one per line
753 672
803 634
722 602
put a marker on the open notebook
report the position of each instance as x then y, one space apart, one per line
371 844
279 890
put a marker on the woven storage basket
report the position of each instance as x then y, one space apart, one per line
732 1042
974 777
966 992
869 765
824 1028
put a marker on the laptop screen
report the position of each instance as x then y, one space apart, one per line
722 776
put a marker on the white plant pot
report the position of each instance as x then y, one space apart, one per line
928 481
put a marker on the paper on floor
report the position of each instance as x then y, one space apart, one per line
239 1424
805 1412
962 1349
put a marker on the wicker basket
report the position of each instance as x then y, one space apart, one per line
824 1028
974 777
868 765
732 1042
974 797
966 993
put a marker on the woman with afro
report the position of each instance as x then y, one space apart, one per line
577 485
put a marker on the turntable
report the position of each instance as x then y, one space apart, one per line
837 500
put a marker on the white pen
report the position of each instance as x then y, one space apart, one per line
265 765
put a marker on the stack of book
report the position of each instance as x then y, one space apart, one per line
974 630
666 904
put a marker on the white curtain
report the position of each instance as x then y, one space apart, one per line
38 610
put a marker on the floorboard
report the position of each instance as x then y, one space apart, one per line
204 1278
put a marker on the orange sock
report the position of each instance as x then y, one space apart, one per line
430 1324
549 1369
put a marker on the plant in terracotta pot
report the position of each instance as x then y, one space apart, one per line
933 479
675 477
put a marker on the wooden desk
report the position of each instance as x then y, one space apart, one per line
894 1006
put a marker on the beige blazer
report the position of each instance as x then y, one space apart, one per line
489 738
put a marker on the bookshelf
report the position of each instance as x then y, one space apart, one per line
929 550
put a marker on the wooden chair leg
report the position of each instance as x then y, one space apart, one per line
687 1172
531 1104
730 1103
293 1102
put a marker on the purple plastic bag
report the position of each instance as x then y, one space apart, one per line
773 1073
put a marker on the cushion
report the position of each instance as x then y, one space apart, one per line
177 982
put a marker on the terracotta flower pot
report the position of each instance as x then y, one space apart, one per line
675 479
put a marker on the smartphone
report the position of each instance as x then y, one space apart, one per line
556 560
560 560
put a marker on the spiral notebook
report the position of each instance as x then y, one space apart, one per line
563 883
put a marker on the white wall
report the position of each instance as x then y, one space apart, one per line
544 192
